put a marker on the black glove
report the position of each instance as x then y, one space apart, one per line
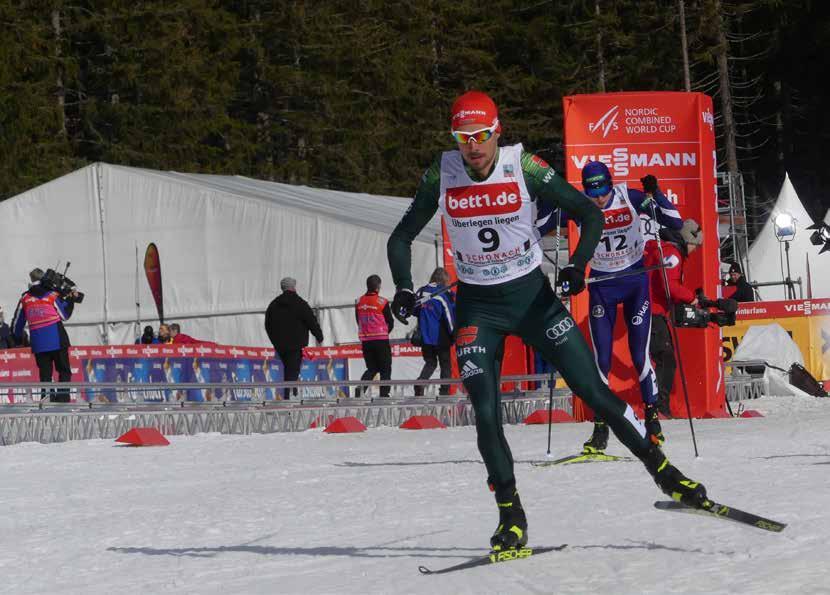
403 304
649 184
571 281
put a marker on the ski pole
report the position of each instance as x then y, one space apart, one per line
621 274
555 279
672 328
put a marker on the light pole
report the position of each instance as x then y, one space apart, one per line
784 225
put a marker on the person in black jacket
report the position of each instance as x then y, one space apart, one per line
736 286
288 321
6 336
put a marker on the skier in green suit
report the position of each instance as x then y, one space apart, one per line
488 195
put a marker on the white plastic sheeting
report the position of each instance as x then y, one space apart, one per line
224 241
767 258
769 343
772 344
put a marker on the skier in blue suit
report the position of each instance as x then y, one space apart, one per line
621 249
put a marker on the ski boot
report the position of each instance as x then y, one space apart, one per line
598 441
652 423
512 530
673 482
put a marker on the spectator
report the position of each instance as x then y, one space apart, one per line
164 334
147 337
736 286
45 310
6 337
436 323
374 323
288 320
179 338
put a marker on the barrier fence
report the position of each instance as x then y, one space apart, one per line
109 409
33 418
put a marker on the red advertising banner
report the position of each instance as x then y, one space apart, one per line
671 136
143 364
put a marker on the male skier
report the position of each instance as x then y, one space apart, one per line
620 250
488 196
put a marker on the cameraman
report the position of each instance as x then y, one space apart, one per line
45 310
677 246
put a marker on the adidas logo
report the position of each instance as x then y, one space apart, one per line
470 369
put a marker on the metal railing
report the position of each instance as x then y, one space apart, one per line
244 408
94 394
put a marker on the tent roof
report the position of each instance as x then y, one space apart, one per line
372 211
766 257
225 242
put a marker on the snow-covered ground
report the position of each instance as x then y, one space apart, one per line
316 513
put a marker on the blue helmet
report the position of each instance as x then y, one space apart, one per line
596 179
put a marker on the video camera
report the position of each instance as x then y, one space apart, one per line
66 288
687 315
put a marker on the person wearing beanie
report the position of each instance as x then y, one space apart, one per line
488 195
288 320
736 286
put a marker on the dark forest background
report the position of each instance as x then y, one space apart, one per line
354 95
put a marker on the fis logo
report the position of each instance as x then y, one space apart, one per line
598 311
606 123
469 369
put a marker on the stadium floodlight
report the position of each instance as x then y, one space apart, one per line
784 225
821 236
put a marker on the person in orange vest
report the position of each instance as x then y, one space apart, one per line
374 323
44 309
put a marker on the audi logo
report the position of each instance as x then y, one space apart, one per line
559 329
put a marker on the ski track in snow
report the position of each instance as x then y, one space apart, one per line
315 513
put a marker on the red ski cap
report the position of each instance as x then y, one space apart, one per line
475 107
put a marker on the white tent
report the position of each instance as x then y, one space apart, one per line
224 241
767 257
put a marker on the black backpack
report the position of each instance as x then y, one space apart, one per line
802 379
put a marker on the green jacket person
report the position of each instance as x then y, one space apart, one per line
488 195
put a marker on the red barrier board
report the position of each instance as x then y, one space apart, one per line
173 363
671 136
784 309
